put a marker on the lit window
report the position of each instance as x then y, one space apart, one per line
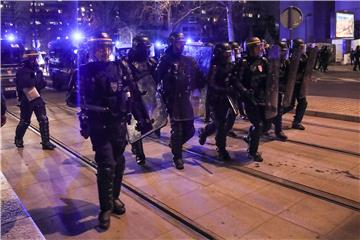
250 15
59 11
203 12
258 15
37 22
82 9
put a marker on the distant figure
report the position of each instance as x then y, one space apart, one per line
324 57
46 59
357 58
3 110
352 56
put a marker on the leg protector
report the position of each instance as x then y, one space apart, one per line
105 178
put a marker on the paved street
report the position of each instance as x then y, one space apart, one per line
307 187
339 82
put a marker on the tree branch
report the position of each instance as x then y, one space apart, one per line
184 16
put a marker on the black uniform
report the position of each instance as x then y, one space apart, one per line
301 101
223 115
324 57
252 87
3 109
28 77
178 75
140 69
283 78
104 91
357 58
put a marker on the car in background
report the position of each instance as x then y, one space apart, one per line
11 59
62 62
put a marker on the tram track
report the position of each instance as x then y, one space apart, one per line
145 199
333 198
342 151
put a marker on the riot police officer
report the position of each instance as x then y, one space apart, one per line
219 91
143 68
29 83
301 100
284 68
3 109
104 94
251 85
237 51
178 76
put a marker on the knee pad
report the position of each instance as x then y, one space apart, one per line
24 123
43 120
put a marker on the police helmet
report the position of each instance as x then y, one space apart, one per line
283 46
253 42
141 41
175 37
234 45
298 42
100 39
222 48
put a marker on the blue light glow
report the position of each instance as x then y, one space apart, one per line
158 44
77 36
118 44
10 37
189 40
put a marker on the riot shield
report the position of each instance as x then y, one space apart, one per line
152 108
312 53
272 84
202 54
291 77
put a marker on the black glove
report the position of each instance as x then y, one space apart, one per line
84 124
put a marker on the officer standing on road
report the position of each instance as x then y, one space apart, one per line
357 58
104 92
29 83
251 85
219 89
284 68
178 76
3 109
142 66
301 100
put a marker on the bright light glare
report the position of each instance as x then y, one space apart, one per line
158 44
118 44
77 36
11 37
189 40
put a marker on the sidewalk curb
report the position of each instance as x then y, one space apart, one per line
16 222
337 116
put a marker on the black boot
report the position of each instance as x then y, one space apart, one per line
45 136
20 132
298 126
19 143
232 134
179 163
105 178
119 206
256 157
138 150
281 136
202 136
223 155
